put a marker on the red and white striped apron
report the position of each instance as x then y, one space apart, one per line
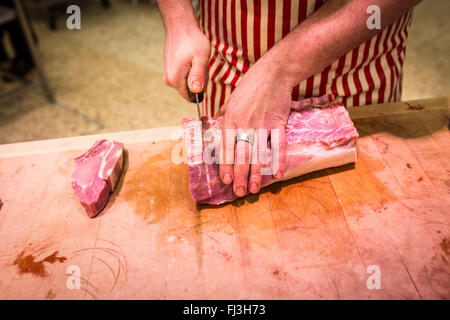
241 31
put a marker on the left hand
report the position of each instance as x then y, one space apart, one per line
261 100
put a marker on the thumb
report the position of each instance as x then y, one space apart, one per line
198 74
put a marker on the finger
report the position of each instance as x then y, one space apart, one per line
198 74
183 90
257 160
226 158
221 111
278 141
175 77
179 83
241 168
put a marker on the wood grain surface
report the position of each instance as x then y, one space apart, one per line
313 237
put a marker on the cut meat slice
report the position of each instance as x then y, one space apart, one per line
319 134
96 174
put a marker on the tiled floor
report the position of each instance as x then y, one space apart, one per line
107 76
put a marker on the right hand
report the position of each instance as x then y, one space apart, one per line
186 56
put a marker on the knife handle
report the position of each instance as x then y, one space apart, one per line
192 96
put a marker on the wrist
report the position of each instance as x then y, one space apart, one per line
176 20
280 66
180 24
182 30
177 15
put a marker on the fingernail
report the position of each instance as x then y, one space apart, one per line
196 85
240 191
253 188
226 178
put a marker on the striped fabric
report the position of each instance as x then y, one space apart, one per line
241 31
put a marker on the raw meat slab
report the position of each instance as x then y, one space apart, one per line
96 174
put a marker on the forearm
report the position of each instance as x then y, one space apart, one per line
177 14
333 30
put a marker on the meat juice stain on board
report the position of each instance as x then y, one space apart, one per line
415 106
157 186
434 270
50 295
445 245
27 264
147 189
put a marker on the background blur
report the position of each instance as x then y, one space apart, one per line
108 75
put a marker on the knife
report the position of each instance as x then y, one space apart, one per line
196 98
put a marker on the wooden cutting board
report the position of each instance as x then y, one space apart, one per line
318 236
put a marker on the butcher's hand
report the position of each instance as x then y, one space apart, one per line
186 56
259 106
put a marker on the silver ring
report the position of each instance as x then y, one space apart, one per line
244 136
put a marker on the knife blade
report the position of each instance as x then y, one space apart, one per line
196 98
198 105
